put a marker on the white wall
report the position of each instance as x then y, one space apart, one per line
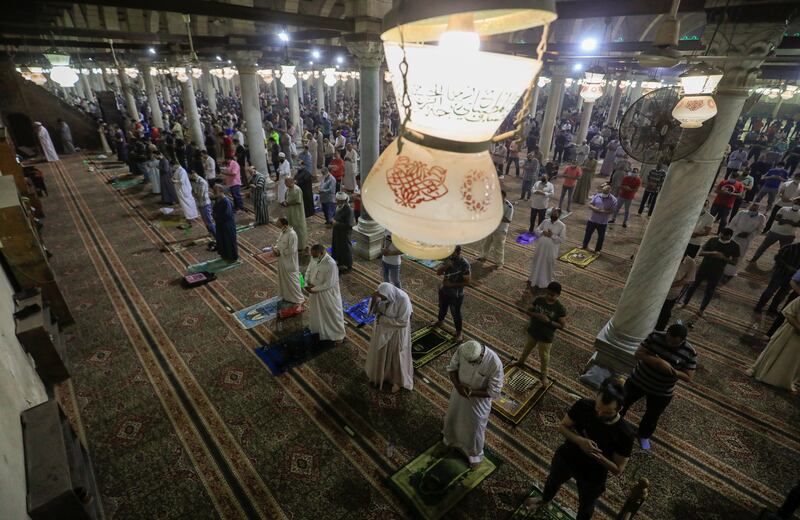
20 389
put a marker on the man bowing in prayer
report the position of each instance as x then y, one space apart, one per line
295 212
46 143
288 265
477 376
325 313
389 357
551 233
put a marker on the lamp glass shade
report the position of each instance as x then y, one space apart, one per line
594 76
420 250
458 97
591 92
58 59
700 80
330 76
197 73
64 76
693 111
787 95
425 21
288 79
131 72
434 197
773 93
228 72
387 76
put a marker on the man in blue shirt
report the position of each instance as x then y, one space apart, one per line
602 205
771 183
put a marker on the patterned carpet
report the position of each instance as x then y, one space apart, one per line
184 421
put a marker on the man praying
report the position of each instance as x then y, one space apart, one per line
325 313
389 357
288 264
476 373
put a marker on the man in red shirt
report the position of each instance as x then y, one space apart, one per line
336 167
571 175
728 190
627 192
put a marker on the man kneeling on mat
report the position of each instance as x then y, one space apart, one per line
598 441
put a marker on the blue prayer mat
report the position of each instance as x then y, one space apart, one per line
359 312
258 313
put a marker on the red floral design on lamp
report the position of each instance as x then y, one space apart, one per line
414 182
474 191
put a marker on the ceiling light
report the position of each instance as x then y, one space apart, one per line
315 54
588 44
577 66
283 36
219 58
339 59
151 50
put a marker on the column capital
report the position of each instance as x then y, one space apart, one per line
246 61
559 71
367 49
746 48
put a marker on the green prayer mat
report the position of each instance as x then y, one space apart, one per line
521 392
438 479
552 512
245 227
578 256
168 223
428 343
126 183
216 265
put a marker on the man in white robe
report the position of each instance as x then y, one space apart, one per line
46 143
284 171
350 169
389 358
551 234
325 313
183 188
288 264
477 376
745 225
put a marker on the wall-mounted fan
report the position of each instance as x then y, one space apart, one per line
650 134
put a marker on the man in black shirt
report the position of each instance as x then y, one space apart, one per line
457 275
598 441
717 252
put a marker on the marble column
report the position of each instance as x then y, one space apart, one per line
108 80
195 130
586 119
251 108
550 114
294 112
299 87
78 87
369 54
87 87
152 96
635 92
97 82
127 91
208 88
535 102
226 87
681 198
611 117
320 93
334 102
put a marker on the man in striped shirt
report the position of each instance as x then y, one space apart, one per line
661 360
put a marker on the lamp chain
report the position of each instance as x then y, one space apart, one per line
527 100
406 97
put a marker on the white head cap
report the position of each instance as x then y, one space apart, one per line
470 350
282 155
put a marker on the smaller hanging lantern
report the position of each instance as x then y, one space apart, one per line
228 72
697 106
61 72
132 72
330 76
789 92
387 76
592 87
197 73
288 78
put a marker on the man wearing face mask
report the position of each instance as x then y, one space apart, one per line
787 262
701 230
788 191
598 441
602 205
745 226
783 231
457 275
540 197
627 192
717 253
551 234
476 373
728 190
288 264
662 359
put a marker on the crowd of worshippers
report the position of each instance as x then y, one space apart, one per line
597 438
